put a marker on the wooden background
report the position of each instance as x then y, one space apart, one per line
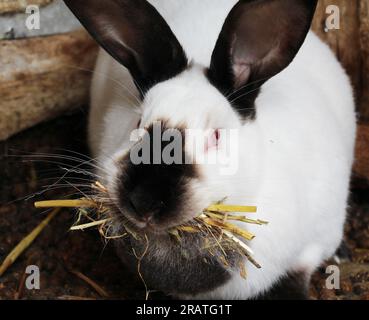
42 77
351 45
10 6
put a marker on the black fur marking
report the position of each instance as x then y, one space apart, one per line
159 191
294 286
135 34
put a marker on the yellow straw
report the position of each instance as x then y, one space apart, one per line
25 243
231 208
81 203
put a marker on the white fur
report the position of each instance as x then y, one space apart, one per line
295 159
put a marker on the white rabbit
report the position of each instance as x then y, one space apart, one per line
268 77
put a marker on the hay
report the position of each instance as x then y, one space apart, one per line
216 224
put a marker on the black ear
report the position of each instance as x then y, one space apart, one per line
136 35
258 40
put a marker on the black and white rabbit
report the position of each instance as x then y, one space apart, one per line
250 65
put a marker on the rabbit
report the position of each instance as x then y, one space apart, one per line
252 66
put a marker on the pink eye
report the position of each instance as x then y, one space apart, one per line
213 140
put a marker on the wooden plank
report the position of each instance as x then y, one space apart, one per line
350 43
361 167
55 18
9 6
364 51
43 77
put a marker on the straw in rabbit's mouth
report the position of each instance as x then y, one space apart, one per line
217 225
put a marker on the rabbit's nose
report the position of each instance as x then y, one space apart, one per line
143 204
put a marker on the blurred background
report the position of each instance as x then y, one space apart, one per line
45 76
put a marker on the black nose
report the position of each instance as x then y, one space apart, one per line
144 204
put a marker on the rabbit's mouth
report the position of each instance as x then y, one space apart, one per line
151 226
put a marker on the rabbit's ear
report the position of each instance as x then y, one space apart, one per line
258 40
136 35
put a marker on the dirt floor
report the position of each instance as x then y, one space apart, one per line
66 258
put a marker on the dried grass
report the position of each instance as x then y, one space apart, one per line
26 242
217 224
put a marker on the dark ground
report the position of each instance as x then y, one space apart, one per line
61 253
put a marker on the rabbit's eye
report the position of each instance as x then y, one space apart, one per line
213 140
138 124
